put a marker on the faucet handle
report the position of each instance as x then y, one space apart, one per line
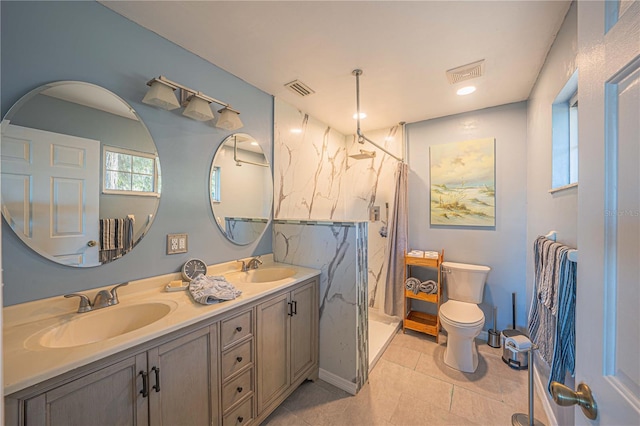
244 265
114 293
85 303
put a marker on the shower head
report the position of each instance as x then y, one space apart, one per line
364 154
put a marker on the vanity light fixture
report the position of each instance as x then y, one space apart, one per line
198 108
161 94
229 119
466 90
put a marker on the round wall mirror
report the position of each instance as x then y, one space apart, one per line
80 174
241 189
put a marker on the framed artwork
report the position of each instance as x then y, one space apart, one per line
463 183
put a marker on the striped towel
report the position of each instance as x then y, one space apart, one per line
116 238
552 313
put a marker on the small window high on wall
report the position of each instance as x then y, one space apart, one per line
565 136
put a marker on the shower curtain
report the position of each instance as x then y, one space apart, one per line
398 235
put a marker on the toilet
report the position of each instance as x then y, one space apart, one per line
460 316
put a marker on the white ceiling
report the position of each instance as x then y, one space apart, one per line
404 49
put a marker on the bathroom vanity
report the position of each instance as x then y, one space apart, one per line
230 363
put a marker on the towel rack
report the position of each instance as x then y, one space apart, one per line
573 253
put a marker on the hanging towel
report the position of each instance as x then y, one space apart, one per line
552 313
116 238
212 289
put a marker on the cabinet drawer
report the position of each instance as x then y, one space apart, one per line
236 389
236 358
243 415
236 328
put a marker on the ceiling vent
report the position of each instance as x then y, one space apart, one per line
298 87
465 72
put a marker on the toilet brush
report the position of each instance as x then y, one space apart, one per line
493 338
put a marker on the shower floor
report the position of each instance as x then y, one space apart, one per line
382 329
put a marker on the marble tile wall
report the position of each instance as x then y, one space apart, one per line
316 180
339 250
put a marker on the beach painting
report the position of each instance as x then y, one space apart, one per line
463 183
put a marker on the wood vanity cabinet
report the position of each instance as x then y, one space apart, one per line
287 348
231 370
168 384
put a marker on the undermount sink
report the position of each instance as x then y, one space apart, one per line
100 325
261 275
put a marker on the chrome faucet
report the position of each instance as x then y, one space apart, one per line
254 263
251 264
103 299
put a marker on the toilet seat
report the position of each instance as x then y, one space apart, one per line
461 314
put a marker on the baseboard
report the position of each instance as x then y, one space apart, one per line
541 390
338 382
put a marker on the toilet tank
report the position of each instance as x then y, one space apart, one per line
465 282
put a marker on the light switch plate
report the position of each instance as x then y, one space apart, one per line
177 243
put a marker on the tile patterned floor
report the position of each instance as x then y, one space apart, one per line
412 386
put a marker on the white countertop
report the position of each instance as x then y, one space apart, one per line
27 364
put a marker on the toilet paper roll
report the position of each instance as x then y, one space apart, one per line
518 343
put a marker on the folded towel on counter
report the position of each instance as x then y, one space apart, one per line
212 289
429 287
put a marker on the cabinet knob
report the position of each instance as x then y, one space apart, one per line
238 329
239 359
239 389
240 419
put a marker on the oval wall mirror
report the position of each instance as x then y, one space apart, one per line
80 173
241 189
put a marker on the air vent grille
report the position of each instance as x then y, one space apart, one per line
299 88
465 72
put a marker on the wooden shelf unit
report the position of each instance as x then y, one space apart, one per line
414 319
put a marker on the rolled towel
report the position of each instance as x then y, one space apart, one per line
429 287
412 284
212 289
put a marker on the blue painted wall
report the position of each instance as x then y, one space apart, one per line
501 247
50 41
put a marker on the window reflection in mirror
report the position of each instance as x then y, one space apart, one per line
55 161
241 189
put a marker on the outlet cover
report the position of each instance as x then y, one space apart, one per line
177 243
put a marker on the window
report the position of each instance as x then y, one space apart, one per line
129 172
215 184
565 136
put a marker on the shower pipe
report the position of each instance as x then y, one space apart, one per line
238 161
361 137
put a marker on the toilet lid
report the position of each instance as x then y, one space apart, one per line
462 313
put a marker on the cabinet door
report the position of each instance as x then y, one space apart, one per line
273 349
110 396
304 326
183 377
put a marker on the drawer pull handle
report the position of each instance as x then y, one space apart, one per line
238 329
239 389
239 359
290 309
145 384
240 419
294 307
157 385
